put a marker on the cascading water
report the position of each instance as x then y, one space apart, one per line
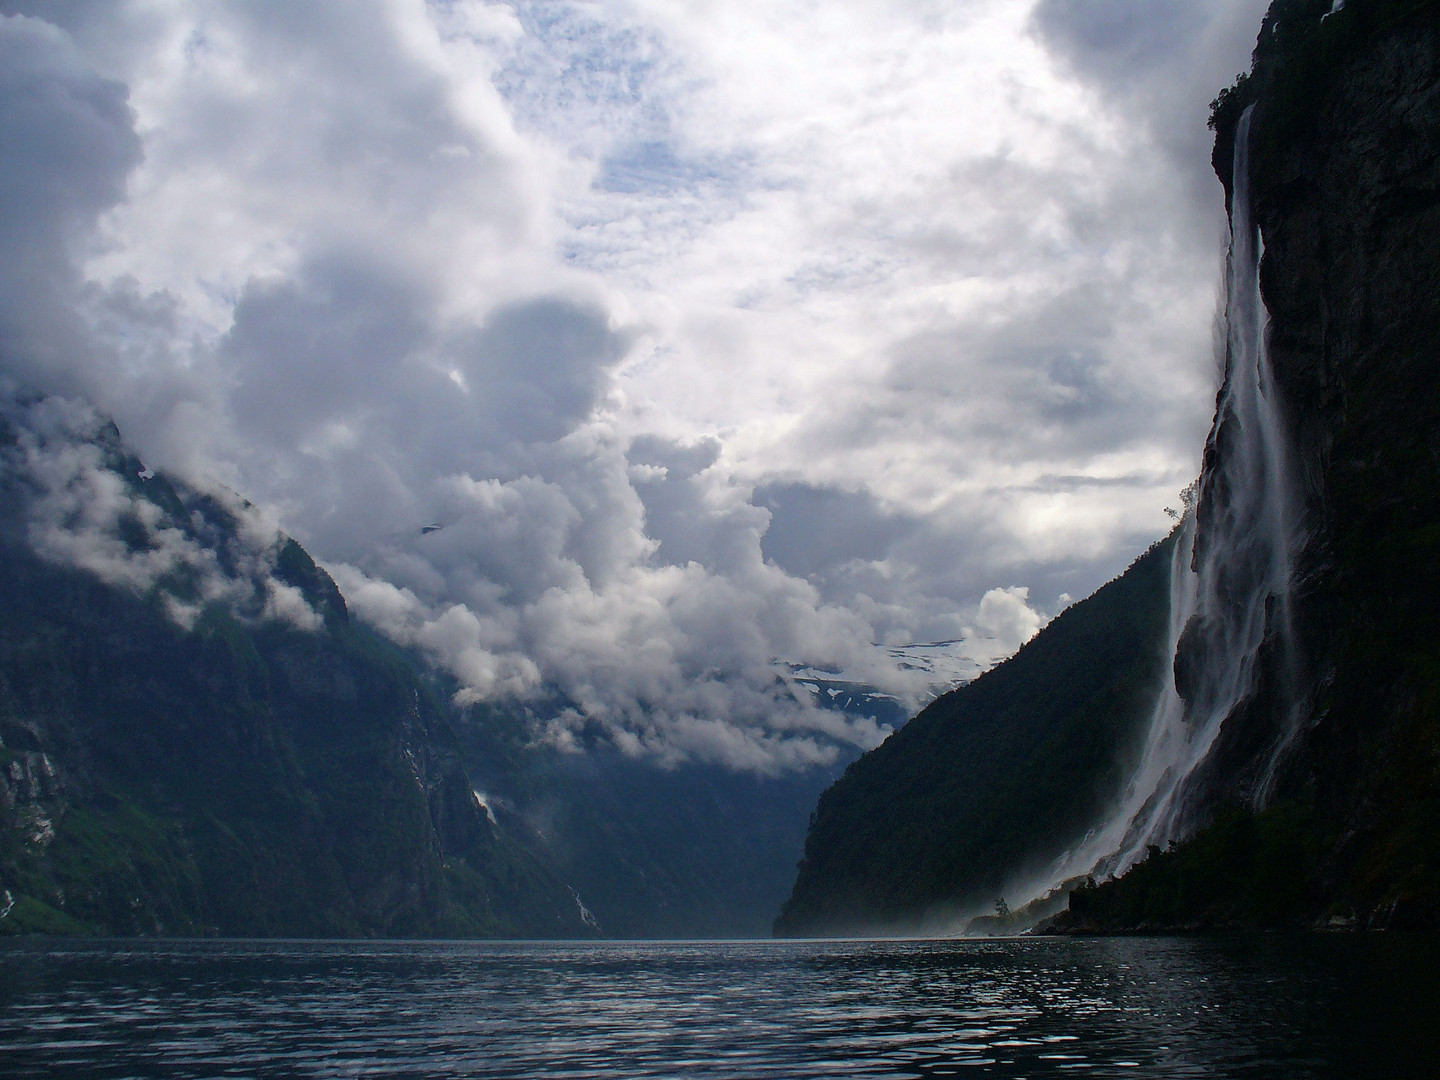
1230 576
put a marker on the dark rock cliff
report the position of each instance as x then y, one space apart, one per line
1345 172
1318 803
1349 207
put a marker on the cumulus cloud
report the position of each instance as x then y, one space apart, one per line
619 354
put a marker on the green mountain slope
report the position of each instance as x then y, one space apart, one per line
993 780
244 775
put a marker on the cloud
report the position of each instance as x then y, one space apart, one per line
1160 64
83 504
671 662
815 528
69 146
613 352
1006 619
692 511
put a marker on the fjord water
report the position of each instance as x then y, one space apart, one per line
1341 1006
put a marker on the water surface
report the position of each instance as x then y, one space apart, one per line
1345 1006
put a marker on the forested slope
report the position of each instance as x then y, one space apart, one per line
993 780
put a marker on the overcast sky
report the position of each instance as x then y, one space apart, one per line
708 333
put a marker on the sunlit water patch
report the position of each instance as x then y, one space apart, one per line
1263 1007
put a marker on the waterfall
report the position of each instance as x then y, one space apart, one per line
1230 575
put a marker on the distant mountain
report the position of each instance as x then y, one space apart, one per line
932 667
690 850
834 690
942 661
194 739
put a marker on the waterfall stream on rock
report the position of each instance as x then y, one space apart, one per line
1230 577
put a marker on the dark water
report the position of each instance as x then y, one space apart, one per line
1344 1006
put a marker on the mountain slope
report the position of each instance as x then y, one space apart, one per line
195 740
693 851
994 780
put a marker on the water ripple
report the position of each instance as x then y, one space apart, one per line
795 1010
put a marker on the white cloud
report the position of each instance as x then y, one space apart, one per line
1006 618
611 351
82 504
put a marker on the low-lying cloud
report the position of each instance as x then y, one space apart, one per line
71 489
617 355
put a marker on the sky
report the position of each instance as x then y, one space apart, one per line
610 353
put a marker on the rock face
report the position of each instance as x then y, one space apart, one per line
1347 196
1343 821
195 740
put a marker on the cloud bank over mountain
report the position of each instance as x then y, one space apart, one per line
613 351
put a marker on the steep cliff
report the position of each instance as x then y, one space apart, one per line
195 740
1324 784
